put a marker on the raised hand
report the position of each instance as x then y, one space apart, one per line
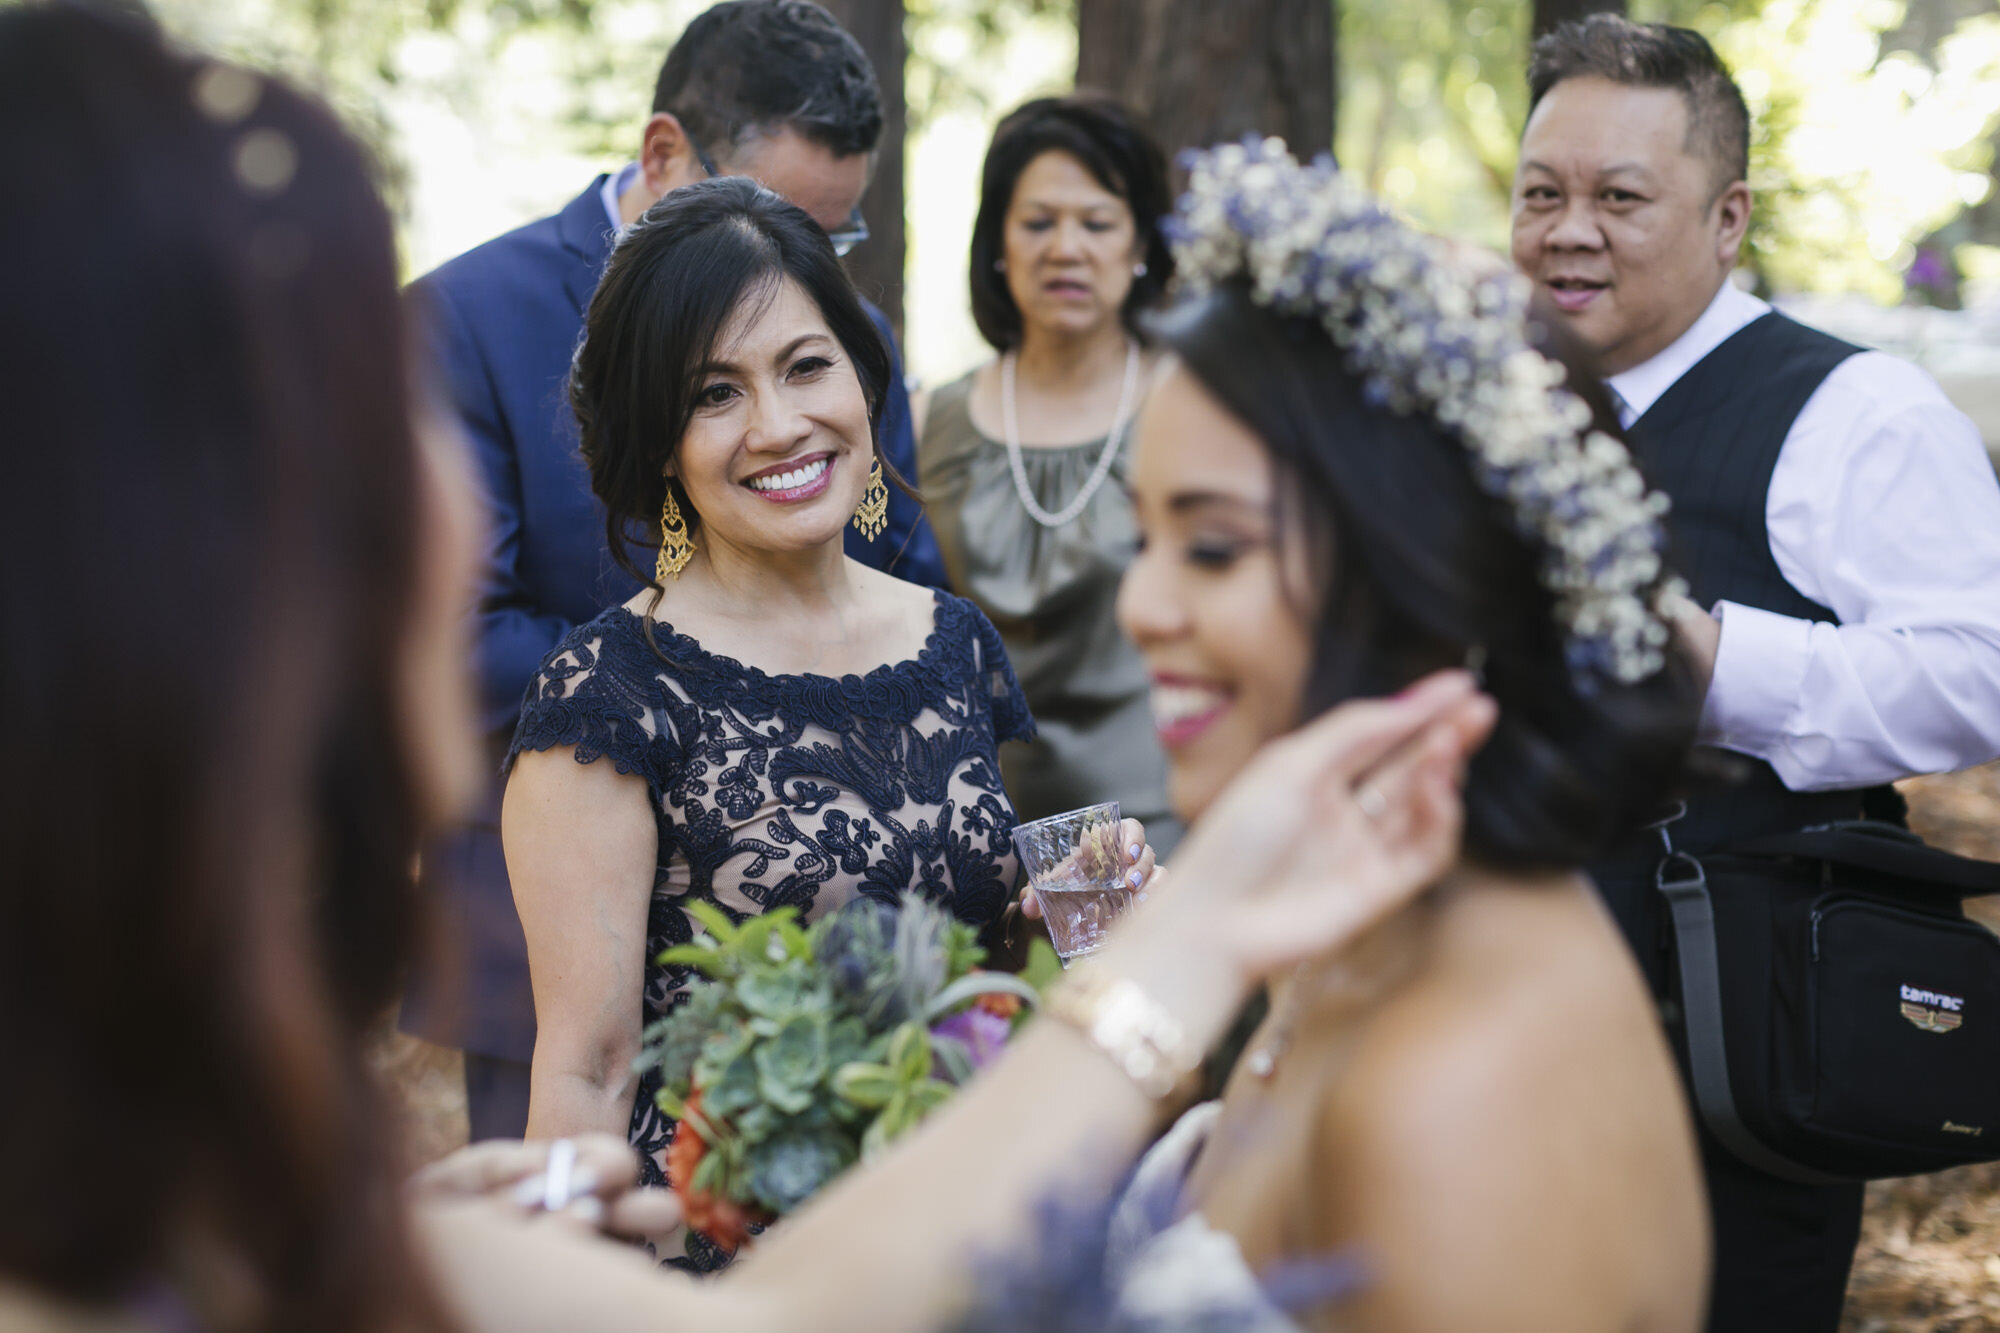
1324 833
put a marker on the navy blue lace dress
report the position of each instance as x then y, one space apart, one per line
801 791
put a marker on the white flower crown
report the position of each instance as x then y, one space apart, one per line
1427 334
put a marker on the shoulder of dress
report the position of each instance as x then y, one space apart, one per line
607 641
948 428
959 620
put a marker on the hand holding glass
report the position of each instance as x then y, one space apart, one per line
1076 867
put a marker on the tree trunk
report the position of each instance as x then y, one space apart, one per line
1550 13
877 263
1200 72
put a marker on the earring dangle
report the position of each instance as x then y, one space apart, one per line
1139 269
873 515
676 547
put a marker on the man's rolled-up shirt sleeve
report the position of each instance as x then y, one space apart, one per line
1884 509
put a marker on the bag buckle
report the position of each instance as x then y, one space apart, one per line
1680 875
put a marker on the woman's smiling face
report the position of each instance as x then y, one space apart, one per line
779 448
1213 597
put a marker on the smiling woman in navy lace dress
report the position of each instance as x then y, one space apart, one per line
784 727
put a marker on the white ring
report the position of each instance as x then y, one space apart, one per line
556 1182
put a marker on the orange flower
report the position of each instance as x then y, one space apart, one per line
723 1221
1000 1004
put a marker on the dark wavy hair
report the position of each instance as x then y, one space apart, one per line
673 281
1098 131
1652 55
207 541
749 67
1416 568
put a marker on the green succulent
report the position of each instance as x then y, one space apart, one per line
900 1090
791 1166
792 1061
810 1046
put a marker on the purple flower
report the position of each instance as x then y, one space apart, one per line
982 1035
1927 269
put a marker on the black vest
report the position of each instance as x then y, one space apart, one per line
1711 443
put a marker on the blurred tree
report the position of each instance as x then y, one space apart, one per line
877 263
1433 96
1550 13
1203 72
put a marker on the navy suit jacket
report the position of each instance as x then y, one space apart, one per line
503 322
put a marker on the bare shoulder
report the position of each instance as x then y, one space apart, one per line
902 613
1516 1105
1528 1025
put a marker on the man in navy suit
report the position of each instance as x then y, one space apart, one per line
773 89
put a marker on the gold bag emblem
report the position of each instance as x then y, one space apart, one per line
1929 1019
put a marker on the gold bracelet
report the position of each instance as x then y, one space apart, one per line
1128 1025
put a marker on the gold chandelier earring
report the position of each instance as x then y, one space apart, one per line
873 515
676 547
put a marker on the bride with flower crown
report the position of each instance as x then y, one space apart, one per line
1368 461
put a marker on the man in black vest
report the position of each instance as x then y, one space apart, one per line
1837 520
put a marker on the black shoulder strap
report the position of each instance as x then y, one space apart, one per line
1685 886
1887 849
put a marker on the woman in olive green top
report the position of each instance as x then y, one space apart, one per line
1023 460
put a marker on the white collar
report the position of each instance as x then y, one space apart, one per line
1640 387
615 186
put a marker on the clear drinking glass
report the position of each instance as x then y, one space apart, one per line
1074 863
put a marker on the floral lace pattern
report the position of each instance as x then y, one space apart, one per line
802 791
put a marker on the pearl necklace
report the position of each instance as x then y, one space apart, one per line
1011 430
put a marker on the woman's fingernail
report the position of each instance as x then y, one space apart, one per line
1132 878
1135 849
582 1181
529 1192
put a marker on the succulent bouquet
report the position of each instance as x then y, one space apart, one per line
808 1048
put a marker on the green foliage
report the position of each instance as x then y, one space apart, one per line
808 1045
955 44
900 1089
1433 94
1875 117
794 1165
1044 967
1873 120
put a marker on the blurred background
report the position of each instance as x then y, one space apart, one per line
1874 161
1874 168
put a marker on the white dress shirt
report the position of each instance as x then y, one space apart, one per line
615 186
1884 508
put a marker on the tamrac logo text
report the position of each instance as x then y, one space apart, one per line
1931 1011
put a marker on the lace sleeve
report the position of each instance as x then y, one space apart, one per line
589 698
1011 719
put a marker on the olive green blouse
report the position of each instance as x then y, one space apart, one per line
1050 592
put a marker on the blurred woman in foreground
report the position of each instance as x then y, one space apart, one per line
234 575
